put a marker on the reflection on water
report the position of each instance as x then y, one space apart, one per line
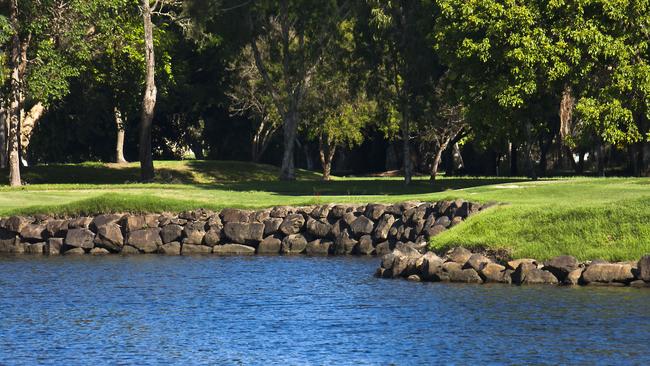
152 309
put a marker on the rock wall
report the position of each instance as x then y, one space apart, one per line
372 229
461 265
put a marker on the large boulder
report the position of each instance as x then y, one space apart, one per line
374 211
529 274
477 261
272 225
561 266
644 268
109 236
431 267
80 238
443 221
16 223
145 240
365 247
171 233
194 232
101 220
35 248
608 273
343 244
362 226
294 244
57 228
338 211
434 230
454 272
212 237
513 264
318 247
574 277
194 249
138 222
459 255
320 212
280 211
233 249
270 245
173 248
292 224
244 233
383 248
33 233
383 227
318 228
53 246
234 215
493 272
99 251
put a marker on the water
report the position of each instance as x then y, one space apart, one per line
280 310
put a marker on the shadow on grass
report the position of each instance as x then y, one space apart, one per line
243 177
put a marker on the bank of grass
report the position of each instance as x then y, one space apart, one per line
586 217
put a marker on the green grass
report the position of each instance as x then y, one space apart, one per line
586 217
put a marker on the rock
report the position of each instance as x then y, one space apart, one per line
196 215
132 222
343 244
317 228
74 251
233 249
454 272
320 212
53 246
374 211
414 278
56 228
338 228
272 225
561 265
349 218
294 244
459 255
35 248
109 236
433 231
364 247
99 251
214 223
573 278
431 267
292 224
16 224
639 284
644 268
212 237
145 240
280 212
608 273
80 238
173 248
455 221
195 249
259 216
80 223
529 274
492 272
362 226
33 233
383 248
408 248
171 233
338 211
234 215
318 247
129 250
515 263
244 233
383 227
101 220
270 245
443 221
194 232
477 261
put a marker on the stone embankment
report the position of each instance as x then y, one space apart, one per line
461 265
372 229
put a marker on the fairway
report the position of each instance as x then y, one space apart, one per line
586 217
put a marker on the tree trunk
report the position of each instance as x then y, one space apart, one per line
3 135
119 143
14 107
600 152
27 126
406 146
436 162
149 98
326 152
288 170
514 169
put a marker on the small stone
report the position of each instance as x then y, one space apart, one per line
414 278
195 249
573 278
74 251
233 249
129 250
99 251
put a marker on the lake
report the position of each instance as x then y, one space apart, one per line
300 310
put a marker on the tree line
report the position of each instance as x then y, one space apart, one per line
481 86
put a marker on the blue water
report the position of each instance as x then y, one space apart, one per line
280 310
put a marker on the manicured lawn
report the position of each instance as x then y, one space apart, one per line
586 217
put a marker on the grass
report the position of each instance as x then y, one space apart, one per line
586 217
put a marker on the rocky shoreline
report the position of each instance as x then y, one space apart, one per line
334 229
461 265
